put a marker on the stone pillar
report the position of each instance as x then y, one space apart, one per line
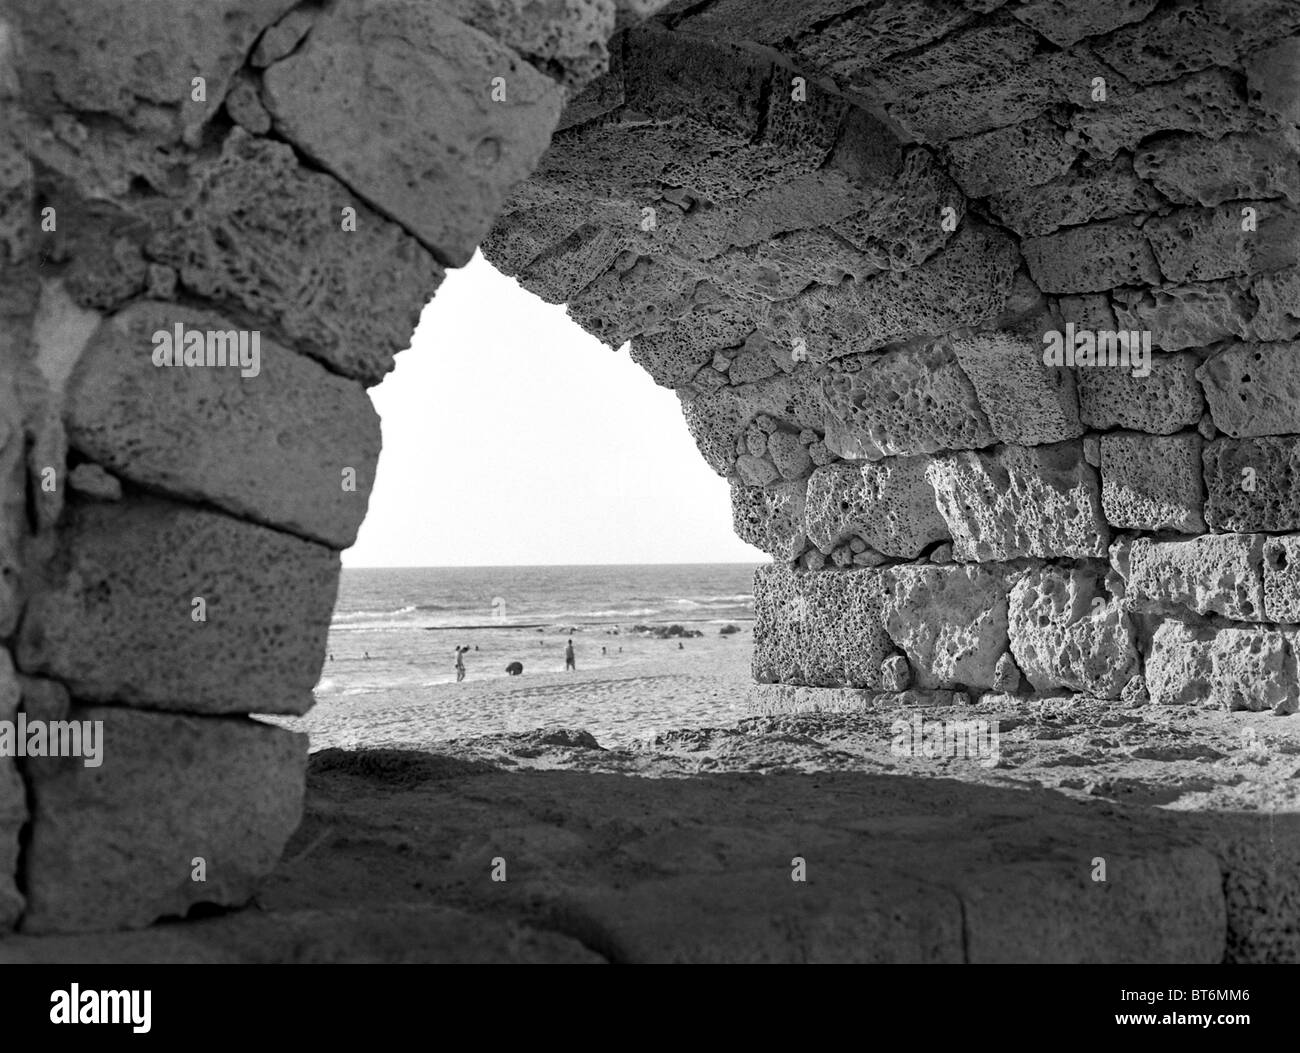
218 224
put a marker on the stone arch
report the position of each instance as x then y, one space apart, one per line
842 241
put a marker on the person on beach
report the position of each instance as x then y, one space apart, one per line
460 663
569 662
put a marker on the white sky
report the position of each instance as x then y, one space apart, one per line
512 437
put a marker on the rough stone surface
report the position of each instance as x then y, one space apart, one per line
114 846
1151 482
1213 574
1068 631
117 621
356 96
1191 169
771 519
196 431
13 802
1205 244
1091 258
1252 484
819 629
1282 579
1167 400
1020 501
903 403
1193 663
951 622
1027 403
889 504
1253 389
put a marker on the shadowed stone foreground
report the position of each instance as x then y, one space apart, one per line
684 852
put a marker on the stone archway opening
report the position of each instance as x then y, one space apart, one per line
985 310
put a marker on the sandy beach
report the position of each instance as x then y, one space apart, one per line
406 695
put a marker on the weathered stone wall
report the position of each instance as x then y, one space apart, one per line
170 532
839 232
846 236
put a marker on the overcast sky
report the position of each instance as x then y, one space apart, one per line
513 437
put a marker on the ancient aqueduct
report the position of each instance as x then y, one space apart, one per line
840 231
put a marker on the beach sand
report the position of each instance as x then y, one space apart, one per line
405 694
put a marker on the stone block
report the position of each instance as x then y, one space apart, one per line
1067 631
819 629
136 59
1277 316
1212 574
1026 402
115 846
1166 400
1091 258
1193 663
1282 579
1208 103
950 621
1192 170
1193 315
902 403
117 621
255 228
203 432
1153 482
13 802
355 98
1206 244
1252 484
1019 501
1253 389
1011 158
771 519
1065 23
889 504
1100 190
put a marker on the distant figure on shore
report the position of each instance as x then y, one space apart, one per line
515 668
681 646
367 656
603 651
569 661
460 663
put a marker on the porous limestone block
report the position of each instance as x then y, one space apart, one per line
1167 44
1282 579
1091 258
290 445
1273 76
1235 668
1166 400
901 403
675 354
889 504
950 621
1027 403
256 228
718 420
1194 170
1100 190
1277 315
1208 103
1212 574
117 846
1252 484
120 619
1198 244
820 628
1065 23
13 802
770 518
1020 501
13 504
1191 315
1253 389
137 59
1011 158
1067 631
356 95
1153 482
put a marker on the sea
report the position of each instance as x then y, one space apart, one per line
389 676
382 600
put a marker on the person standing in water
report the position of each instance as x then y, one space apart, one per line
569 662
460 664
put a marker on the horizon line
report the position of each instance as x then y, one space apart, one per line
518 566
